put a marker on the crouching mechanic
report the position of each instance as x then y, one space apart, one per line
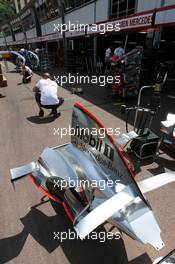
27 74
46 96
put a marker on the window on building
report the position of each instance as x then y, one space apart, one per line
121 8
19 5
41 10
51 9
16 25
47 9
71 4
7 32
27 21
17 28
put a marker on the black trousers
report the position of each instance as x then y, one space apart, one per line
24 80
52 107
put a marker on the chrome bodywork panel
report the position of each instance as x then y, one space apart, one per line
88 159
19 172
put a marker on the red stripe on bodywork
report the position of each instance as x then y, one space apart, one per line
81 107
41 189
67 211
52 198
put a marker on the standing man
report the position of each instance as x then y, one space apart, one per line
108 56
27 74
26 55
46 96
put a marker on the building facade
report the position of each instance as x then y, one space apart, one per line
141 21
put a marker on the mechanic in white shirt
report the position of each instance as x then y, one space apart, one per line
119 52
46 95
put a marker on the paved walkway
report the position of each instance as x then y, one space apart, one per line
26 232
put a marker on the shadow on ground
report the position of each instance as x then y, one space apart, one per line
37 120
42 227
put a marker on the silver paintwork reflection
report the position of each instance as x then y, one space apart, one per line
19 172
71 163
95 159
131 215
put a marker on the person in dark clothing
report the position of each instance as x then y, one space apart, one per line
27 74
